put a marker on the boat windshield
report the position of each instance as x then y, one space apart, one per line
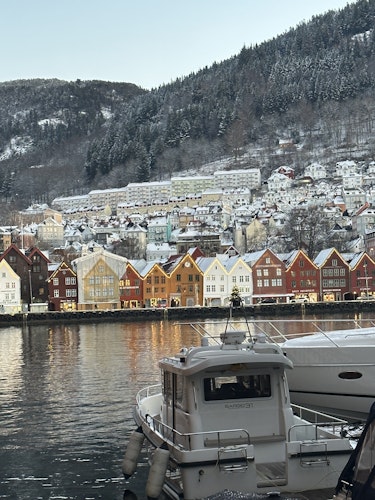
237 387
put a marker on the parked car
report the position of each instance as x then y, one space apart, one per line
299 299
268 300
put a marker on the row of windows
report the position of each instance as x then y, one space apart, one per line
266 282
157 280
213 288
266 272
241 278
8 284
304 283
303 274
337 271
190 277
101 280
125 283
68 293
9 297
69 280
105 292
334 282
156 290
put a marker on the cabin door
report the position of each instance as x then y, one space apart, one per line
170 399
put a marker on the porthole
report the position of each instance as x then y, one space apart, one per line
350 375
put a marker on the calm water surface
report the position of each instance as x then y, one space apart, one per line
66 399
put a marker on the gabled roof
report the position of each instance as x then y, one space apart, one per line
60 267
34 250
289 259
14 248
9 270
323 256
205 263
150 266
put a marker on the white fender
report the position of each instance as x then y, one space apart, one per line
129 464
157 472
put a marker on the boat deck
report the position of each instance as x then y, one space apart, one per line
312 495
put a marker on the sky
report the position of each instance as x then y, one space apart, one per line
145 42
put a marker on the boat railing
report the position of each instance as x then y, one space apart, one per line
315 425
146 392
189 441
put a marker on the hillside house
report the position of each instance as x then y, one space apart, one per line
51 233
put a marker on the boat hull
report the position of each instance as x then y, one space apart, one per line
338 381
296 466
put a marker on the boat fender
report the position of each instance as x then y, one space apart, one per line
157 472
129 464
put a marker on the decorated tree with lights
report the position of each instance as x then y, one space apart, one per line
235 298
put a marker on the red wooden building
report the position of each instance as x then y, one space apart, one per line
269 277
302 277
62 288
334 275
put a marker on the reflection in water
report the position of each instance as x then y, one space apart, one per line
66 401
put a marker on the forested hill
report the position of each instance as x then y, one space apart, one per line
313 86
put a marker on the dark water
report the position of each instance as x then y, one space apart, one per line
66 400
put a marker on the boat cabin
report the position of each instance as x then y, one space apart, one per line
232 386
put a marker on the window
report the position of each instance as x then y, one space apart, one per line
190 277
156 280
55 281
178 277
265 272
266 282
239 386
56 293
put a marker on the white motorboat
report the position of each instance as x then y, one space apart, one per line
334 371
222 420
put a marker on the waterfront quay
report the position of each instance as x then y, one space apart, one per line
191 313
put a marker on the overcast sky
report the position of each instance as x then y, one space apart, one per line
146 42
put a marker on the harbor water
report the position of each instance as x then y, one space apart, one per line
66 400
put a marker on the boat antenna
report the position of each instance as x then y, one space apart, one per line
236 302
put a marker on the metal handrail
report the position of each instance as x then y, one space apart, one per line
169 434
